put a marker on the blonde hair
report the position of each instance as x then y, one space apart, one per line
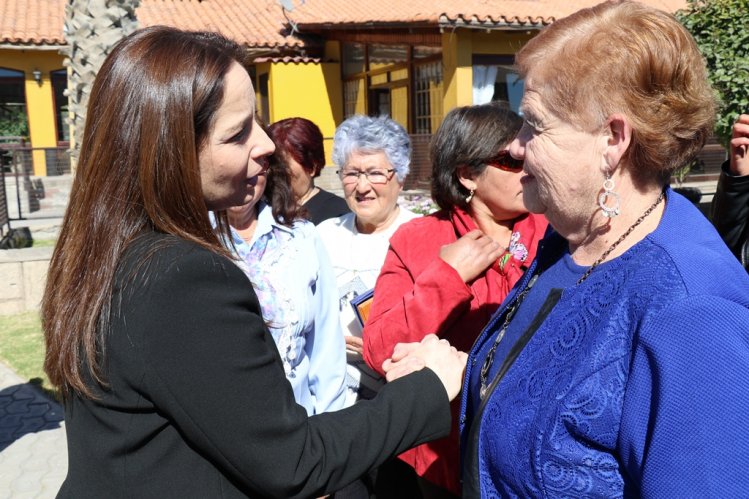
625 57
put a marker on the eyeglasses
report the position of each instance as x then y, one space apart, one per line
506 163
350 177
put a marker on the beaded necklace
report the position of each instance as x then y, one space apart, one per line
486 366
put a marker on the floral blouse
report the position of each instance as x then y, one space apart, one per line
294 282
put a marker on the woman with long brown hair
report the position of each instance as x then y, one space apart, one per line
172 385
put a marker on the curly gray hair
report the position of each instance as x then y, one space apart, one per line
372 135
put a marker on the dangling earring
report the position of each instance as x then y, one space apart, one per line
470 196
603 198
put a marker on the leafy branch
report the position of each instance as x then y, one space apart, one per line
721 30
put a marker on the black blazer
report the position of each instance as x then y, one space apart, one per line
198 403
730 213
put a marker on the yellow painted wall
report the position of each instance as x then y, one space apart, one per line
39 98
500 42
435 94
400 74
379 79
399 105
457 49
313 91
332 51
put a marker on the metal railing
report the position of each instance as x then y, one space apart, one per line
4 216
22 191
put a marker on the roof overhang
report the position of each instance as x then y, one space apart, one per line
371 25
22 46
489 24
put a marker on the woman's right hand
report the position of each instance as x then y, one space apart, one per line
471 255
740 146
438 355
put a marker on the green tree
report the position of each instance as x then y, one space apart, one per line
721 29
13 121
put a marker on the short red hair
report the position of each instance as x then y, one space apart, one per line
301 140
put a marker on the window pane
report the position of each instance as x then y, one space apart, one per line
59 84
422 51
428 97
508 87
353 58
13 120
386 55
353 101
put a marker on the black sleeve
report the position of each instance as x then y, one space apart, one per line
730 209
213 369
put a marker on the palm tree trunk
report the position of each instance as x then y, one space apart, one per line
92 28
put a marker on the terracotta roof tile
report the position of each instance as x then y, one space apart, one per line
256 23
261 23
342 12
288 59
32 22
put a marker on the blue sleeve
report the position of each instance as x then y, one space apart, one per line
325 344
685 418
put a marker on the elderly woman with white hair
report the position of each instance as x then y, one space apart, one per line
373 156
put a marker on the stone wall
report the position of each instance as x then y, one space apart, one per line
22 276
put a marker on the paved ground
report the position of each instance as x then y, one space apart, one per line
33 450
33 453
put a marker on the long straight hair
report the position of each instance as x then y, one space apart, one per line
151 108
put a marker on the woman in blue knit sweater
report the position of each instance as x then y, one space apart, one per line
619 365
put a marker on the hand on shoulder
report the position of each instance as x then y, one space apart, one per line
471 255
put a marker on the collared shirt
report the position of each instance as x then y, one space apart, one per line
294 282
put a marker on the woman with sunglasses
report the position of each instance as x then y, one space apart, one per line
446 273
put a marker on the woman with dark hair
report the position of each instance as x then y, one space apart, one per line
299 146
288 266
171 383
447 272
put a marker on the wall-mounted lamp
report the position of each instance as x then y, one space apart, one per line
37 77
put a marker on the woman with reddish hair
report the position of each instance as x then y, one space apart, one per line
617 367
299 147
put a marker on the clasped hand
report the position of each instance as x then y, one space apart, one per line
436 354
471 255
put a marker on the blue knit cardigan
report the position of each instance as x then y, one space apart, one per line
635 384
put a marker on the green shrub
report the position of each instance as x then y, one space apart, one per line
721 29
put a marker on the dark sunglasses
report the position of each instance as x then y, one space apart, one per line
505 162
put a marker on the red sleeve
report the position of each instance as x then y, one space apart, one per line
417 293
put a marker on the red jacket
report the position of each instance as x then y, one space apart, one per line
417 293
